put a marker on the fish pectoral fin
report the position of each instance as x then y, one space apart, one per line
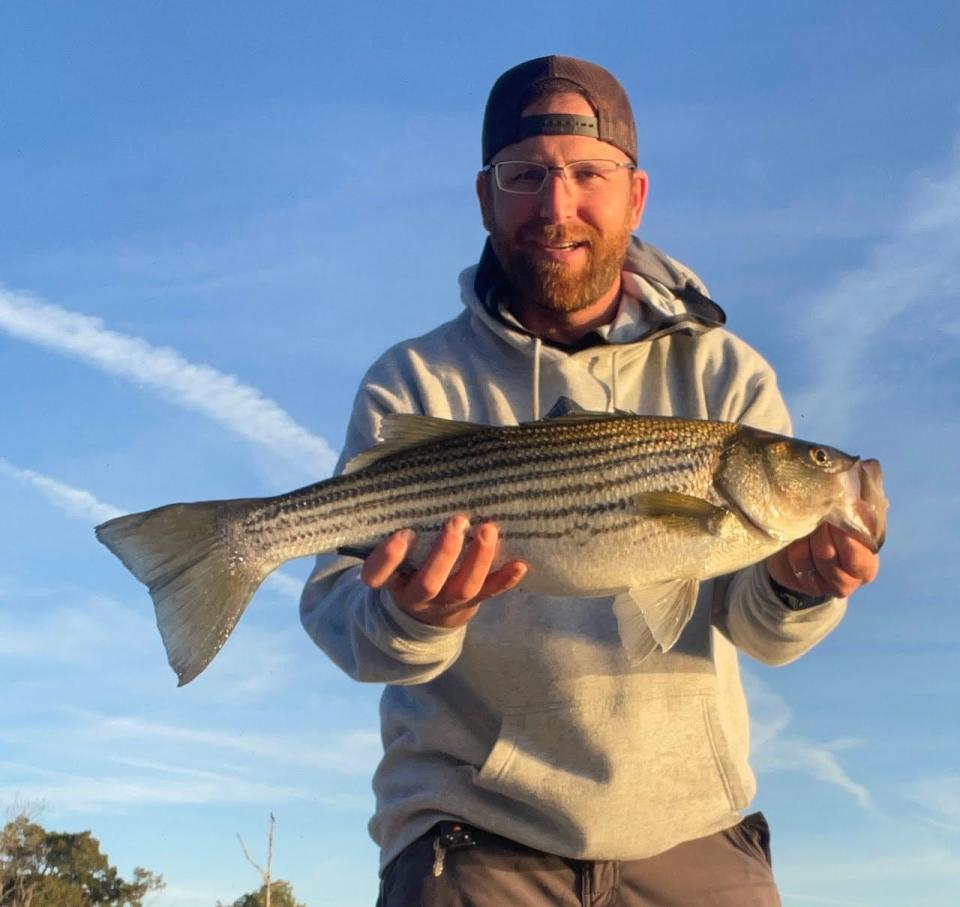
355 551
648 616
402 431
701 515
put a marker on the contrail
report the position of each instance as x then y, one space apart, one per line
238 407
772 750
75 501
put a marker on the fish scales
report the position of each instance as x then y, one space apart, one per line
620 505
441 475
427 478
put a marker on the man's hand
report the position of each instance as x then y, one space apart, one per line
435 594
827 562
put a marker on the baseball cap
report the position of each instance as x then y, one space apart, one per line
503 123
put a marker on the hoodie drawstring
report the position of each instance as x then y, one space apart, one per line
613 380
537 345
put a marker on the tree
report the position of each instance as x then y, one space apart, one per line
40 868
281 895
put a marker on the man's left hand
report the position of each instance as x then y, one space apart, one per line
827 562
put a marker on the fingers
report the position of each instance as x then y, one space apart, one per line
503 580
855 558
826 573
842 562
426 584
799 569
467 582
827 562
384 560
451 582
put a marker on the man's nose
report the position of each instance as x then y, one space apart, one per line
557 201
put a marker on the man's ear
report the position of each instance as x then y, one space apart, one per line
639 188
485 197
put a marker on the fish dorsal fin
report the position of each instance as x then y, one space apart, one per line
701 515
566 407
403 431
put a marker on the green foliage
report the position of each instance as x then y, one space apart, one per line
281 895
39 868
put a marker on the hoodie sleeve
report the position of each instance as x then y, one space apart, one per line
362 629
747 610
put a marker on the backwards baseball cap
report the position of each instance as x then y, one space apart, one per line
504 123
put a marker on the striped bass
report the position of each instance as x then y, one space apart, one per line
636 507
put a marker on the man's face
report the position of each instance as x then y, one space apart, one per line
562 249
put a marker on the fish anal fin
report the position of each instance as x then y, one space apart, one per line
664 610
635 635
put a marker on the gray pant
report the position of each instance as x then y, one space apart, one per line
458 866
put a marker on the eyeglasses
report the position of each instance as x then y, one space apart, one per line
529 177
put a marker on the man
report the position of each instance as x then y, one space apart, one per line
527 760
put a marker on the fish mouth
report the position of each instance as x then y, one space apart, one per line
866 518
873 504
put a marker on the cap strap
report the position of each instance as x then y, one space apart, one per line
557 124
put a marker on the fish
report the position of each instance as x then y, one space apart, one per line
637 508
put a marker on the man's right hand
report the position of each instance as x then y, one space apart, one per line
436 594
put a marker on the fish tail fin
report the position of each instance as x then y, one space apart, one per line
199 579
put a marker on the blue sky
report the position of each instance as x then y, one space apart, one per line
214 216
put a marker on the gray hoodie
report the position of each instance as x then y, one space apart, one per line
531 721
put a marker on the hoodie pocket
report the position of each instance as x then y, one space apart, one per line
598 767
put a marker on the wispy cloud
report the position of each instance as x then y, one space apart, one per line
131 760
73 501
89 792
349 751
775 749
65 625
850 324
236 406
939 797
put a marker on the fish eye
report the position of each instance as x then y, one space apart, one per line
820 456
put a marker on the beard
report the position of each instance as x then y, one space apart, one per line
554 285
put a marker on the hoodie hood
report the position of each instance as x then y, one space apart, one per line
663 297
659 296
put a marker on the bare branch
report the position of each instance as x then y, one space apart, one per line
265 874
250 860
